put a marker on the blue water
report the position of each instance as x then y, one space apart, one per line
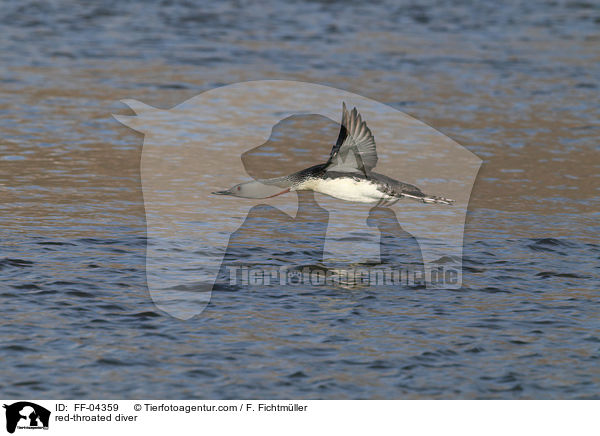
515 83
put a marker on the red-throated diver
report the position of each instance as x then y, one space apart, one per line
346 175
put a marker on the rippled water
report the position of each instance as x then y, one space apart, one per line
516 84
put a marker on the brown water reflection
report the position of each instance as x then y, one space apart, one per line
88 147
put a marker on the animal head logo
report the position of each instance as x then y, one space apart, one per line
27 415
192 152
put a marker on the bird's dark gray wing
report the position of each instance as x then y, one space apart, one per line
354 149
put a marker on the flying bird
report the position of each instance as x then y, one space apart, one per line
346 175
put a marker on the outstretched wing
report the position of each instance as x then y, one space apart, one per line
354 149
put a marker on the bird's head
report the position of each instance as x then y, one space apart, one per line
254 189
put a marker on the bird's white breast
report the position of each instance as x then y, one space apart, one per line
344 188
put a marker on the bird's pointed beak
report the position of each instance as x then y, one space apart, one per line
226 192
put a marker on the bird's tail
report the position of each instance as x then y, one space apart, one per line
427 198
